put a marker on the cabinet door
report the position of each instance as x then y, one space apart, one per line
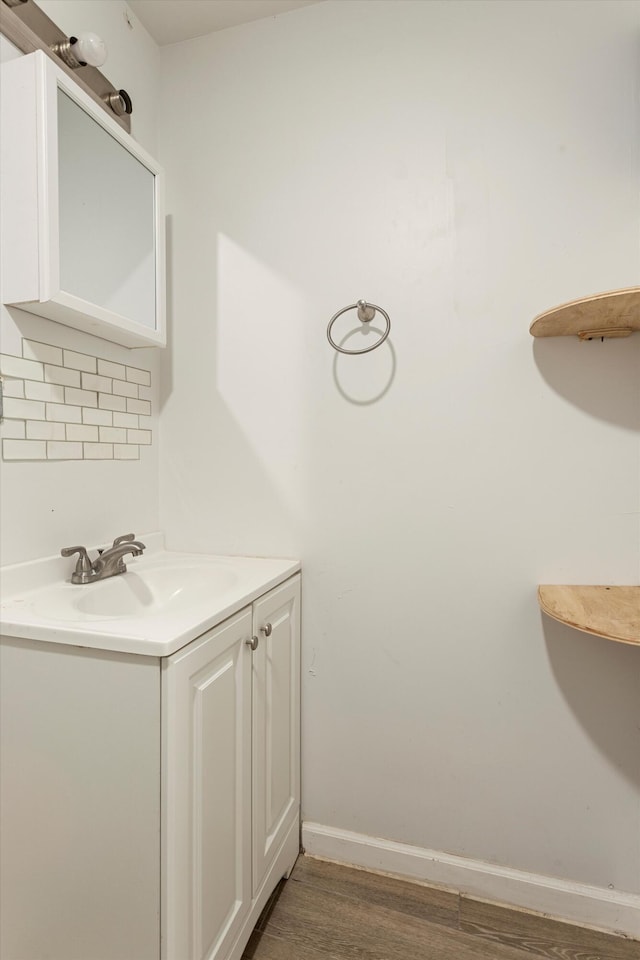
276 732
206 719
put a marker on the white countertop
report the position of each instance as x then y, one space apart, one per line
38 601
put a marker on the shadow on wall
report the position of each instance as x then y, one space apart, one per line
365 379
166 367
600 681
600 378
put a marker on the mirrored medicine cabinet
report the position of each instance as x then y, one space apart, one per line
82 214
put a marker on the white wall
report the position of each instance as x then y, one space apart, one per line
465 165
47 505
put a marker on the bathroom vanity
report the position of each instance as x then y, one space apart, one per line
150 756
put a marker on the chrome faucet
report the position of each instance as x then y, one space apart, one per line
108 563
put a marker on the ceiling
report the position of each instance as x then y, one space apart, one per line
169 21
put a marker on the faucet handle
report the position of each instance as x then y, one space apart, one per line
82 559
84 568
125 538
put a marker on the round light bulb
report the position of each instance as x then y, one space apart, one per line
90 49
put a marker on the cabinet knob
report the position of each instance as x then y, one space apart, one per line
267 629
253 643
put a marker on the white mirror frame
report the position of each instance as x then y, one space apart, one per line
30 215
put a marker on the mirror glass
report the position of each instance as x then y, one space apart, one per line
107 218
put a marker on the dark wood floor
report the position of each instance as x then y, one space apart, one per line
329 912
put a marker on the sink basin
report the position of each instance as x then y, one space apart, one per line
163 601
142 592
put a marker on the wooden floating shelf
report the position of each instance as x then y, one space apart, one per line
611 612
613 314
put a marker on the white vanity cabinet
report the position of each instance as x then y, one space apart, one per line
149 805
231 824
82 218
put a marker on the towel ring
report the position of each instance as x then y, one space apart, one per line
366 313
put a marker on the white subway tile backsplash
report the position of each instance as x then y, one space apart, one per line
139 406
91 382
32 350
63 413
126 451
13 388
63 451
67 378
106 401
34 390
82 431
80 398
126 420
12 430
139 436
45 430
16 409
17 367
102 418
98 451
63 405
124 389
80 361
113 434
108 369
24 450
139 376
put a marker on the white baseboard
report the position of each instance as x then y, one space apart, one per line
604 909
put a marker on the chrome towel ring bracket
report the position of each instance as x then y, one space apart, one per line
366 313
